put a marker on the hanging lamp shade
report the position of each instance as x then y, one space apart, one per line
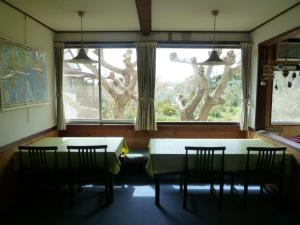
81 56
214 58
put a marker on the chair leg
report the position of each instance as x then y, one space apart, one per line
181 183
71 195
245 195
111 189
106 192
232 183
184 192
157 190
221 194
281 188
58 194
261 189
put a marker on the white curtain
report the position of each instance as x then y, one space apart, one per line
146 57
246 73
59 62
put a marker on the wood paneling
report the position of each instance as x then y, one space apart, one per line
267 51
140 140
293 188
7 180
289 130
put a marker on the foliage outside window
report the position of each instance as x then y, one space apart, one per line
285 101
187 92
106 94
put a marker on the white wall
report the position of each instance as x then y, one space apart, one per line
281 24
20 123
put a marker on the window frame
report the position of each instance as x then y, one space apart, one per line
162 44
205 45
276 124
264 94
98 45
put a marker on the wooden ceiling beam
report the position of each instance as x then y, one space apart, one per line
144 12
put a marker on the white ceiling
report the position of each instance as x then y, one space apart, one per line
167 15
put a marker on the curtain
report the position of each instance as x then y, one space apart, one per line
59 61
146 56
246 73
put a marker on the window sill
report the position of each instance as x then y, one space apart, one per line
158 123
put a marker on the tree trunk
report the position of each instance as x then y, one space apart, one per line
118 112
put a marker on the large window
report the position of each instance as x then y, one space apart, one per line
186 91
286 100
101 94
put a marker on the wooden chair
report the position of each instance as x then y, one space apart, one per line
38 166
264 166
89 169
201 165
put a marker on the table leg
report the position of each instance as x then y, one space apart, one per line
157 189
111 188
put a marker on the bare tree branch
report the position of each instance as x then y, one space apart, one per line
108 65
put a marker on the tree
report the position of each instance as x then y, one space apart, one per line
120 83
201 97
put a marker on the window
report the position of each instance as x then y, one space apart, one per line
112 97
107 91
286 101
187 92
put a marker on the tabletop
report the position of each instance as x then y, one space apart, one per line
167 155
115 147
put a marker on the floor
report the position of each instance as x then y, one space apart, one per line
134 204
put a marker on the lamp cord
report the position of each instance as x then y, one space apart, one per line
25 29
81 31
214 42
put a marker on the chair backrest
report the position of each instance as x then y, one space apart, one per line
37 155
87 156
267 160
204 159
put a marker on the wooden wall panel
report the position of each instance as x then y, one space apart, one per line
140 140
289 131
7 181
293 189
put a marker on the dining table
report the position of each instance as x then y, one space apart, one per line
116 146
166 155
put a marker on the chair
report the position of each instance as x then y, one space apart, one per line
89 169
36 166
205 165
264 166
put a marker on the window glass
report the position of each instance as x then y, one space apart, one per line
286 100
185 91
80 87
118 85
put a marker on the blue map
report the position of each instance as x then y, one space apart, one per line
23 76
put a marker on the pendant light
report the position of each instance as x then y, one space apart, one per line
81 57
214 58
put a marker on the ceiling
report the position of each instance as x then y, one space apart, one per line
167 15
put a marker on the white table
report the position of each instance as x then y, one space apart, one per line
167 155
115 147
